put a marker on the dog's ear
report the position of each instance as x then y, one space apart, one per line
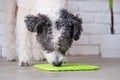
31 22
76 27
72 21
37 23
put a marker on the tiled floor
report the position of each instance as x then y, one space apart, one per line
109 70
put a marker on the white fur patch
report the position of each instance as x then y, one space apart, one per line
56 35
50 8
53 56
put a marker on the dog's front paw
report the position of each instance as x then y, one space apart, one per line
24 63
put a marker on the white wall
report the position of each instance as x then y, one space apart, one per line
2 28
96 23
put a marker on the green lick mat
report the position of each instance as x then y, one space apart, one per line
66 67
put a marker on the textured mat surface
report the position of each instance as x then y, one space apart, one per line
66 67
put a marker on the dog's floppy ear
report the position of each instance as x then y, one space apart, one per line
76 27
72 21
37 23
31 22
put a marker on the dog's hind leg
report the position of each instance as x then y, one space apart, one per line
10 19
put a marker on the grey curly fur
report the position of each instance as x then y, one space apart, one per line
36 23
43 26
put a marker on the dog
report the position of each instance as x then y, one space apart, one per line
55 29
55 37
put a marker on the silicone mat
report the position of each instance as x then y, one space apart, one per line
66 67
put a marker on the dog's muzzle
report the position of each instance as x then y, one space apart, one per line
57 63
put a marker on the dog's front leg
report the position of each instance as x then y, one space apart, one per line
24 46
24 37
24 50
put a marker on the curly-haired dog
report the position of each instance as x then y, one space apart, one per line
55 28
55 37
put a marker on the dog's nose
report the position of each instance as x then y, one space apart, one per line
57 63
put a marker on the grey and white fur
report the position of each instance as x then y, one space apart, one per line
55 37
